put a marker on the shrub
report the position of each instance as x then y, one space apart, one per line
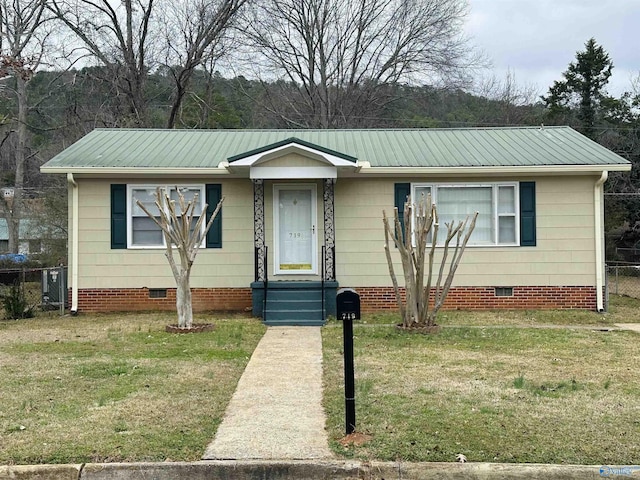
15 303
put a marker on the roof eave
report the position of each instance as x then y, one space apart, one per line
362 169
499 170
103 171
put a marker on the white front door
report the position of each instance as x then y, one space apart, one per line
294 215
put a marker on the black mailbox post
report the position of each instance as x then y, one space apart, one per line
348 310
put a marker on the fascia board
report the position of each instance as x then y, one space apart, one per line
257 158
103 171
361 169
537 170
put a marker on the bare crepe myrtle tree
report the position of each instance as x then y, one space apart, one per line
185 237
424 301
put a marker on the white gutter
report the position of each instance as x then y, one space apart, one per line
485 170
74 244
147 171
599 236
364 169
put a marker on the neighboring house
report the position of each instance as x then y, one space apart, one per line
303 215
30 237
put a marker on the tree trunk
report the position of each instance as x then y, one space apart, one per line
183 302
182 79
14 210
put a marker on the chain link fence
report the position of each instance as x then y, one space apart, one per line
41 288
624 280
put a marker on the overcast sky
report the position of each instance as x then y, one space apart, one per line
537 39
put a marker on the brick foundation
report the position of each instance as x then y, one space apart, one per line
138 299
483 298
371 299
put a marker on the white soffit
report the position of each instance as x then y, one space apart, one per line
272 173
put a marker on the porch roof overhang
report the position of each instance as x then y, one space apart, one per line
322 162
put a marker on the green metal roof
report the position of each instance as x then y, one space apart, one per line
443 148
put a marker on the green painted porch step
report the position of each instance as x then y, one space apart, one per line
294 303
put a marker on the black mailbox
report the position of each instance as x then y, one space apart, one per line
347 304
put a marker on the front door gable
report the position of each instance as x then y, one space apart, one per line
292 159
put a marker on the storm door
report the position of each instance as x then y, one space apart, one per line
295 229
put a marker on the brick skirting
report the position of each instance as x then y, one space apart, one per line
484 298
139 299
371 299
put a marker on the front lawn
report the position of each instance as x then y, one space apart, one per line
106 388
493 386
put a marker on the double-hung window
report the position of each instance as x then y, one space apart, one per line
496 204
142 230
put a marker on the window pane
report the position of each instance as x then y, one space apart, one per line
145 232
506 199
189 195
456 203
506 229
147 198
194 220
421 194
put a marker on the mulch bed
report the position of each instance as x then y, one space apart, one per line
195 328
423 329
355 438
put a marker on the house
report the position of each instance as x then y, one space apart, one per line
302 215
30 237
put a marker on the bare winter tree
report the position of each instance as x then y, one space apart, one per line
424 301
118 35
23 42
194 32
337 58
184 234
515 101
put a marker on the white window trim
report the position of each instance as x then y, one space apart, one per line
494 186
132 187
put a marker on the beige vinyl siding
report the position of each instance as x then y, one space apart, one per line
293 160
564 254
102 267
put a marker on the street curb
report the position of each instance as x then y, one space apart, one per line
311 470
40 472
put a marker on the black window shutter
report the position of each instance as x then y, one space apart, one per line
118 216
401 192
527 214
214 236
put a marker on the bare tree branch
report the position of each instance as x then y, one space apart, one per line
340 56
422 302
176 226
118 35
201 27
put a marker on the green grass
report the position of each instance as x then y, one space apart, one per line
492 385
493 389
621 308
116 387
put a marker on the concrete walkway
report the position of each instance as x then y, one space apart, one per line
629 326
276 411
